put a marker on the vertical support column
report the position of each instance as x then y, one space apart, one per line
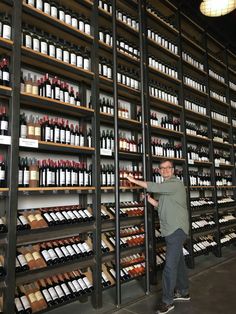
211 149
97 296
13 160
149 220
116 152
184 144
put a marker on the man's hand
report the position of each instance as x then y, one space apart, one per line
131 178
152 201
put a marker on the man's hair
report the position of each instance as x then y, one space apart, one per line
167 160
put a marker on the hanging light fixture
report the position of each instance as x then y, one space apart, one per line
217 7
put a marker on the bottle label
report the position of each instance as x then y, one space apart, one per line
30 130
25 302
32 298
66 56
72 286
59 291
54 12
36 44
46 295
65 289
86 64
82 284
77 286
48 91
38 217
52 51
66 97
87 282
37 131
52 254
62 136
36 255
48 217
5 76
68 19
2 175
74 22
44 48
59 53
75 247
87 29
60 216
70 250
79 61
23 131
47 8
18 305
22 260
31 218
29 257
46 255
53 293
38 296
28 41
6 31
87 248
65 251
59 252
34 175
62 177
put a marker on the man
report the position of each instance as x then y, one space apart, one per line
173 215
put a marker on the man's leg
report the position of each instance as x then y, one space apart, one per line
174 247
182 284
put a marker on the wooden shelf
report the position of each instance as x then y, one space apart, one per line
195 115
122 188
219 102
180 160
200 187
6 44
166 105
197 138
162 22
55 190
220 144
220 123
215 59
43 103
204 163
155 44
5 91
52 65
166 76
164 131
53 23
218 82
185 62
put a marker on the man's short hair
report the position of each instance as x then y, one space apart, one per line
167 160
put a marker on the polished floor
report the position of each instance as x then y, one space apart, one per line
212 289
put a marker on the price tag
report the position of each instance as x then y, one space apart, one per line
25 142
106 152
5 139
191 162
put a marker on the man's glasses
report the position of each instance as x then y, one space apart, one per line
165 168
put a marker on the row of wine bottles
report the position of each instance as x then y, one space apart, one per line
203 223
129 209
63 14
55 130
165 149
162 40
51 291
55 47
50 253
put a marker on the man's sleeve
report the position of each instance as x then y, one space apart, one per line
160 188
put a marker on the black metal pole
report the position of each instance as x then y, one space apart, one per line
97 296
116 152
13 159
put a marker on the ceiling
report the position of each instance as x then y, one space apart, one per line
222 28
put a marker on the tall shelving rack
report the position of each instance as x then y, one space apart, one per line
171 25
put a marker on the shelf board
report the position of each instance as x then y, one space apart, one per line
204 232
32 275
122 188
5 91
197 138
204 163
229 208
220 123
193 67
232 70
219 102
166 76
193 43
217 81
126 27
228 226
179 160
124 122
195 115
210 187
195 90
225 166
160 130
197 213
62 26
49 64
226 187
55 190
62 148
54 105
108 225
220 144
6 44
160 103
215 59
161 21
26 237
155 44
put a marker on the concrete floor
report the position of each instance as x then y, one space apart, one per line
212 289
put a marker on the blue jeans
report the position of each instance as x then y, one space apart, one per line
174 275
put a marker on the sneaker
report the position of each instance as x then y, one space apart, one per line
165 308
180 297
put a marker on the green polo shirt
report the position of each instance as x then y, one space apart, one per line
172 208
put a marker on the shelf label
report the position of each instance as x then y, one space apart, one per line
5 139
191 162
106 152
25 142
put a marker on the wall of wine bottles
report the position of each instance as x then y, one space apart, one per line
91 91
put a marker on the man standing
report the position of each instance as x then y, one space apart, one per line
174 224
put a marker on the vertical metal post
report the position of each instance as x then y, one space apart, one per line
211 149
150 243
116 152
184 143
13 159
97 296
